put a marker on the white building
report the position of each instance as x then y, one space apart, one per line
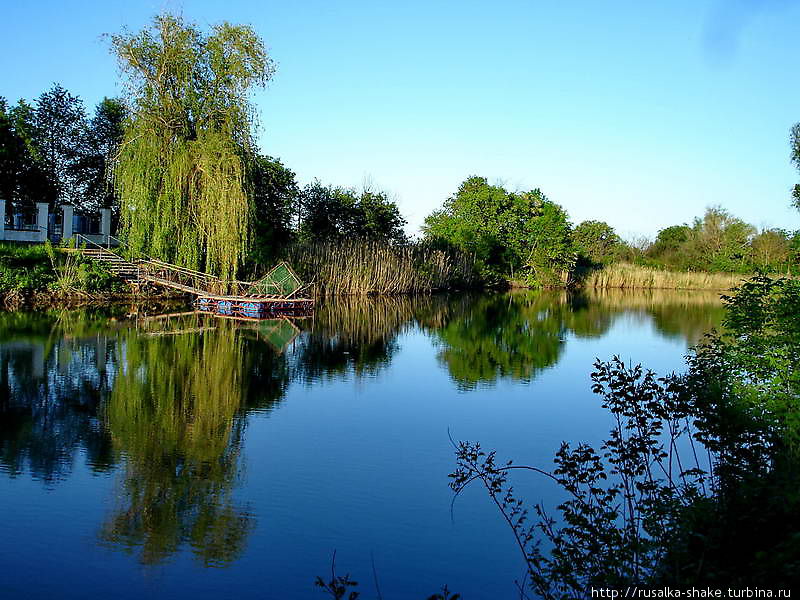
41 225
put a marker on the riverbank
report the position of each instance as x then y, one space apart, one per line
629 276
39 276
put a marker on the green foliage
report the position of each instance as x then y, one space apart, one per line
274 193
182 170
646 509
77 274
37 269
94 166
596 242
23 180
794 142
506 232
719 242
58 135
669 244
24 268
330 213
548 240
50 152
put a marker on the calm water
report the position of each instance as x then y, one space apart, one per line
187 456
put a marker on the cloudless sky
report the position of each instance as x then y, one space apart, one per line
637 113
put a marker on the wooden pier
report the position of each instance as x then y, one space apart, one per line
278 293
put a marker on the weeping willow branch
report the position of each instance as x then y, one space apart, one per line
183 164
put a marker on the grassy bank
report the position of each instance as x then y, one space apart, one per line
628 276
360 268
40 274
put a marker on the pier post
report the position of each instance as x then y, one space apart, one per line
105 225
41 220
66 220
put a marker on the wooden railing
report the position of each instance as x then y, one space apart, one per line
184 279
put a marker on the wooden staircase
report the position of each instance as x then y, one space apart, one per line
125 270
270 289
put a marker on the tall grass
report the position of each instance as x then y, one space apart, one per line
358 268
628 276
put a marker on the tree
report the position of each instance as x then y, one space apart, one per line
595 241
334 213
473 221
794 140
719 241
506 232
274 194
22 181
56 137
183 163
377 218
771 249
670 247
94 167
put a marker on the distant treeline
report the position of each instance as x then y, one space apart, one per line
527 238
52 150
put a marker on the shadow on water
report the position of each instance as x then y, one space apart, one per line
163 400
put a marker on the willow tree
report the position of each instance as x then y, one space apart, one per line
181 173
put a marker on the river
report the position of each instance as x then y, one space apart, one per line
152 452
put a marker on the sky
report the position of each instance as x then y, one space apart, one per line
640 114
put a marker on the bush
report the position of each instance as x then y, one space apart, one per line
697 482
27 269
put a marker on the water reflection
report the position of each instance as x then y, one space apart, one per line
354 335
164 400
53 380
516 335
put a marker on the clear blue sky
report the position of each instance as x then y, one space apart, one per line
637 113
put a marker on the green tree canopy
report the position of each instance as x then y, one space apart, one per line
334 213
182 168
57 136
794 141
719 241
274 194
94 166
507 232
596 241
22 179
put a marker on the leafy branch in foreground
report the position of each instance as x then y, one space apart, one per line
339 587
621 500
685 489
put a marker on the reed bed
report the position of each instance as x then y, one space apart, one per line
646 299
628 276
361 321
360 268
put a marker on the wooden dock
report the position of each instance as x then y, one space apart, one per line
275 294
254 307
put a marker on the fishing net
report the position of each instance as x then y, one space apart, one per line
280 281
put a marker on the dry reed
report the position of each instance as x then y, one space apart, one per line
628 276
359 268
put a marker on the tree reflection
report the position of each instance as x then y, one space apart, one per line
177 413
166 398
501 335
51 389
356 335
681 315
485 338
